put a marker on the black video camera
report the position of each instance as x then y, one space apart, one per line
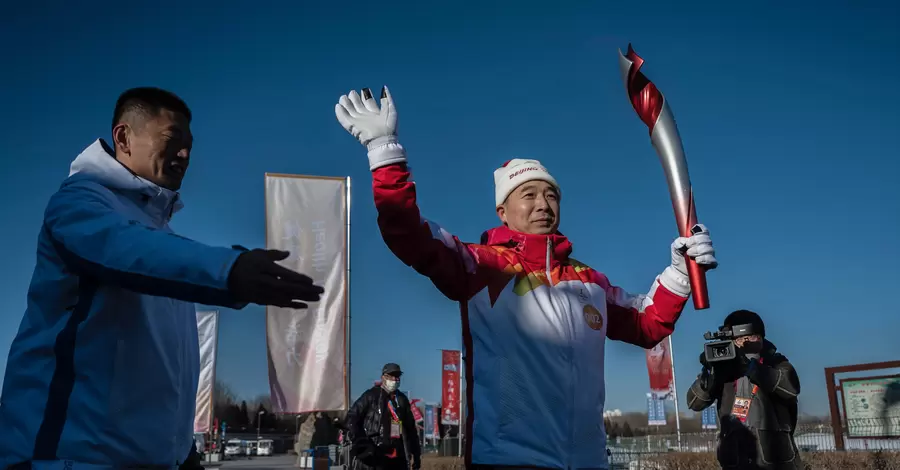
720 345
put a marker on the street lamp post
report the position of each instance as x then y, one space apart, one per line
258 421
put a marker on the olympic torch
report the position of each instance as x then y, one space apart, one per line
653 109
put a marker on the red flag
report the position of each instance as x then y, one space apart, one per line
415 410
659 368
450 387
437 424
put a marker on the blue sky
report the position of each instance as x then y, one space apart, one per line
788 114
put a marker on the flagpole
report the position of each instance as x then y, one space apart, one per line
460 425
675 393
347 320
212 399
459 434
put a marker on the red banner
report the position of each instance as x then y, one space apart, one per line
659 368
437 424
450 387
417 414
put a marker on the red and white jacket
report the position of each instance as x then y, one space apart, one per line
534 323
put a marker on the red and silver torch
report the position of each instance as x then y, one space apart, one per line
653 109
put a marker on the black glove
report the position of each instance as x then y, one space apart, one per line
712 376
703 361
727 371
256 278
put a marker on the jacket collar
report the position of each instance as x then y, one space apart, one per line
98 163
768 349
533 248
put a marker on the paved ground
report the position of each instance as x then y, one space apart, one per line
261 463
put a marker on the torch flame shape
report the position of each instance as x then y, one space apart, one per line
653 109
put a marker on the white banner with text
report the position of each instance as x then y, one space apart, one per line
208 334
307 349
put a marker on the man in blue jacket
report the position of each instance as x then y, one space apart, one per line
103 371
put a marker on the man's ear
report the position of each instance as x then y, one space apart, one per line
120 135
501 212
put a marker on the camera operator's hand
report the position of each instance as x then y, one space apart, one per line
703 361
708 378
257 278
728 371
719 373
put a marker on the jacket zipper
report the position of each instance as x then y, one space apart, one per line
571 351
175 440
549 252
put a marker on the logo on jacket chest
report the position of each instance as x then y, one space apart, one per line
583 295
592 317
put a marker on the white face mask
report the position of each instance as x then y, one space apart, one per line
391 385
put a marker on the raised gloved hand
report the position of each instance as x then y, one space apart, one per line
374 126
256 277
699 248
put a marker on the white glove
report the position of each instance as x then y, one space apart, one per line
699 248
374 127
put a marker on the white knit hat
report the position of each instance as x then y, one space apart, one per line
515 172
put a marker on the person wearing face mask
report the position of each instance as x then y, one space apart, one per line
534 319
103 371
382 428
756 395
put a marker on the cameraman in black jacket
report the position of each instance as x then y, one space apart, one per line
756 394
381 427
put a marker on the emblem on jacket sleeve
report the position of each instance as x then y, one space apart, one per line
593 317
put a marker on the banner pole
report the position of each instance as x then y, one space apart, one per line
675 394
459 434
347 320
212 399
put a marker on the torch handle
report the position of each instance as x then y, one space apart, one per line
696 273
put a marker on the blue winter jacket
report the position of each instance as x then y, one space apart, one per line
103 371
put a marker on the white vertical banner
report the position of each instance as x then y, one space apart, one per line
307 349
208 334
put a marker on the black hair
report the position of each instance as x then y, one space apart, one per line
743 317
148 101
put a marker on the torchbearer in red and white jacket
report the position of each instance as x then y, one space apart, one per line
534 320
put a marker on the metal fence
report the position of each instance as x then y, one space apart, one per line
863 435
449 447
